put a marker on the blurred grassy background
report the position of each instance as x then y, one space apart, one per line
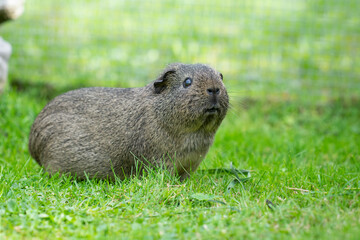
308 50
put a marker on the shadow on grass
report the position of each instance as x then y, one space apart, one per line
42 90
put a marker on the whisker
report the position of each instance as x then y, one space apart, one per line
234 110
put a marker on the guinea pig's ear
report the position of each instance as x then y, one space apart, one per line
161 83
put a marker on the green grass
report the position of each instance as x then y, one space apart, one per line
292 71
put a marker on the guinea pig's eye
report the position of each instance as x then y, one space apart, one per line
187 82
222 77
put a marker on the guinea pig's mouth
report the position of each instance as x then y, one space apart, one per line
212 110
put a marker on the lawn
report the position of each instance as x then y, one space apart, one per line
292 70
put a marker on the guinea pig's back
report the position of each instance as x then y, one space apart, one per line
75 119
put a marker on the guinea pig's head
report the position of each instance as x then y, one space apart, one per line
190 98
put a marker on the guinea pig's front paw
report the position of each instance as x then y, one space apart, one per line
184 176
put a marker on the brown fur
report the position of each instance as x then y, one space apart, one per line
102 131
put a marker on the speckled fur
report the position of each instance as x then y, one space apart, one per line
102 131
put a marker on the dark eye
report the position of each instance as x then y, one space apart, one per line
222 77
187 82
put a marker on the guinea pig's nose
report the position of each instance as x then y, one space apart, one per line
213 91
